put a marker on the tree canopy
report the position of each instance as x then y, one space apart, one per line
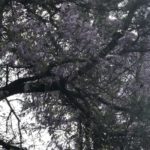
80 68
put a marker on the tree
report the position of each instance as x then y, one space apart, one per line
81 67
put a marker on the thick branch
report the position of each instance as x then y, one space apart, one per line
29 85
9 146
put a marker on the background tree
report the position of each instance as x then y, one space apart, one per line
83 69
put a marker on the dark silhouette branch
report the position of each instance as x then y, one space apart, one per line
29 85
9 146
18 120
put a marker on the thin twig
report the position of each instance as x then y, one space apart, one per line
18 120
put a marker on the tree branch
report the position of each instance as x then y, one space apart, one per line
112 44
30 85
9 146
